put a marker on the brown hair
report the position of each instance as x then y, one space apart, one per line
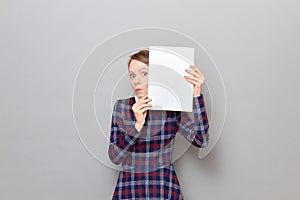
142 56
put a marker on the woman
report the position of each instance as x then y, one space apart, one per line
142 139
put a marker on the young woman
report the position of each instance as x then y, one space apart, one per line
142 139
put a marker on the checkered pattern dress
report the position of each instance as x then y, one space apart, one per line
146 155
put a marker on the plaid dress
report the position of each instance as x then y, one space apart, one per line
146 155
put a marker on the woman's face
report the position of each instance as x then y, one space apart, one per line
138 76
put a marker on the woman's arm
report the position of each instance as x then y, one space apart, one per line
121 142
195 130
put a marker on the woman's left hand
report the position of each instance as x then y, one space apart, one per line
197 79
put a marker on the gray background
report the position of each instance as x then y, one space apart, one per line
255 45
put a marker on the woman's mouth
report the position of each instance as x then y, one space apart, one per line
138 90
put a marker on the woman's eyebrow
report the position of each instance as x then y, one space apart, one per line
143 68
139 69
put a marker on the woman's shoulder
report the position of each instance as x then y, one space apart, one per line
124 102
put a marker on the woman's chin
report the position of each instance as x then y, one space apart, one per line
141 95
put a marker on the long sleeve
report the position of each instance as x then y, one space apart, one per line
195 130
121 142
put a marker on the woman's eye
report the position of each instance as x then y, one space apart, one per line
131 75
144 73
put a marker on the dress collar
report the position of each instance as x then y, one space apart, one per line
136 98
132 100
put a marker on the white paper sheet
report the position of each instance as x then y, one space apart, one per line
167 87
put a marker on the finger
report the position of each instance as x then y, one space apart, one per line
199 77
142 111
142 101
197 69
139 101
193 73
145 101
193 78
194 82
145 109
143 98
139 107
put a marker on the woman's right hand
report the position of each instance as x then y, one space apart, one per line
140 111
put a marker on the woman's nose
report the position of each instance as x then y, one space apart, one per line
137 80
